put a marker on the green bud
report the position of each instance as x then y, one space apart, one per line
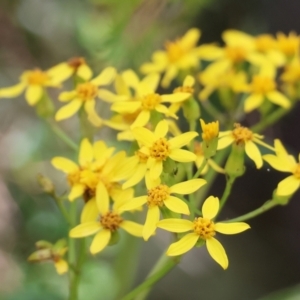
282 200
235 163
209 148
43 245
191 109
45 183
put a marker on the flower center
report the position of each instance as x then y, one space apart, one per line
184 89
150 101
86 91
174 51
157 195
76 62
241 134
205 228
210 131
111 221
74 177
297 171
235 54
142 157
160 149
37 77
262 85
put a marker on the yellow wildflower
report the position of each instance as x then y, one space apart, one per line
179 55
158 148
210 133
291 77
288 44
85 94
159 195
202 228
284 162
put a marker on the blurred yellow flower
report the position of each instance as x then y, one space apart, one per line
288 44
204 229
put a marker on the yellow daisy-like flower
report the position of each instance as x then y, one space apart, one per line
179 55
288 44
202 228
263 86
284 162
85 94
158 148
33 83
159 195
51 253
244 136
147 100
105 226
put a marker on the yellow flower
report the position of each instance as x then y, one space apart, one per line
147 100
288 44
263 86
210 130
284 162
243 136
291 78
105 226
53 253
33 83
158 148
202 228
179 55
85 94
159 195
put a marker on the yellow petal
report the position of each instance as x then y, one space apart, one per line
175 225
100 241
130 78
151 183
183 245
89 107
217 252
33 94
105 77
190 38
282 165
132 228
85 72
288 186
84 229
170 74
177 205
113 163
161 129
182 140
126 106
86 153
144 136
231 228
189 81
151 220
108 96
177 97
187 187
182 155
253 152
142 119
68 110
253 101
89 212
151 81
137 176
61 266
102 198
279 99
225 142
156 170
12 91
64 164
133 204
77 190
234 37
210 207
67 96
60 72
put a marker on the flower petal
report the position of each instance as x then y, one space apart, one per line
132 228
108 96
64 164
141 120
61 266
177 205
151 220
86 153
231 228
85 72
133 204
126 107
68 110
182 140
175 225
144 136
12 91
283 165
33 94
100 241
217 252
224 141
253 101
89 212
253 152
102 198
161 129
210 207
177 97
279 99
105 77
187 187
156 170
182 155
138 175
77 190
85 229
288 186
183 245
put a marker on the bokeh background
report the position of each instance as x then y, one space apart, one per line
264 261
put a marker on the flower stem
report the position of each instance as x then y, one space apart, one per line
229 183
161 268
200 169
61 207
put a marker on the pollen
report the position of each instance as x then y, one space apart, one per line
37 77
205 228
111 221
86 91
150 101
235 54
262 84
142 157
297 171
184 89
157 195
241 134
174 51
74 177
160 149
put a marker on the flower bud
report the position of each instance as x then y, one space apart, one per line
235 163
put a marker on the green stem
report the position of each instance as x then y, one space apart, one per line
228 187
200 169
213 111
265 207
62 208
163 266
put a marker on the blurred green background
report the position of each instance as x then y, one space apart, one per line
264 262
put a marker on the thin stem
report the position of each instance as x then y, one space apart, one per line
200 169
227 191
163 266
61 207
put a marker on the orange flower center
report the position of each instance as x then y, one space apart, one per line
174 51
76 62
184 89
86 91
150 101
205 228
297 171
37 77
142 157
111 221
262 84
241 134
235 54
160 149
157 195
